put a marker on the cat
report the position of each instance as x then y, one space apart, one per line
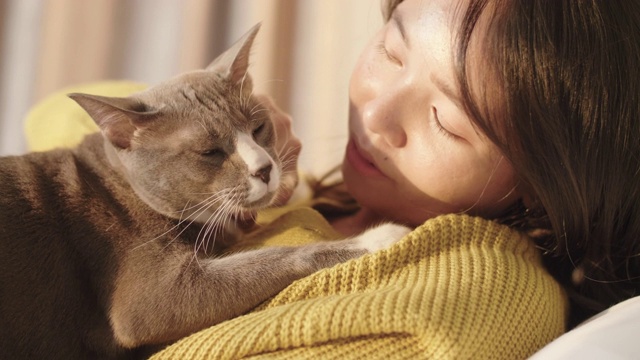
102 246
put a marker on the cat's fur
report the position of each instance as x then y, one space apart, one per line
102 247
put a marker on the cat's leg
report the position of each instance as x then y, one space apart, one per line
176 297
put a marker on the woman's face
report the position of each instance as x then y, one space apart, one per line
413 152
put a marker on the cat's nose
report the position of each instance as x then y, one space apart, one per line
264 173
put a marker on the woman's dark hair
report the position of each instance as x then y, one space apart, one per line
560 97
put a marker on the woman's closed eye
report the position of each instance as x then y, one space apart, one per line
438 125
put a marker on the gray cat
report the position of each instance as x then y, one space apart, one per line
102 247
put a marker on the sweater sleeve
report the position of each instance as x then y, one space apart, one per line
457 287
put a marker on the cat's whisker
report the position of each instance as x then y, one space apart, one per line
235 209
284 163
198 242
202 234
210 227
228 212
222 199
284 151
256 106
221 195
223 205
201 208
213 222
254 114
287 166
218 195
202 240
255 111
157 237
231 208
184 209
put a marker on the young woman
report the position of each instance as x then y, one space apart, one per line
525 112
507 133
521 111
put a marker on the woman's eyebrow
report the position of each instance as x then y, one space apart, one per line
396 18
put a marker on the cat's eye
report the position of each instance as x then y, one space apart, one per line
213 152
258 130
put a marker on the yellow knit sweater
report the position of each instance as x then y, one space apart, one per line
457 287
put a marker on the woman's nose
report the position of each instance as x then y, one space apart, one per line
380 118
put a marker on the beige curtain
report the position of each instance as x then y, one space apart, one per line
303 55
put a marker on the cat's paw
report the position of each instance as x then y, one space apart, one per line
382 236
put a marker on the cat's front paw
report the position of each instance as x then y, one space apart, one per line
382 236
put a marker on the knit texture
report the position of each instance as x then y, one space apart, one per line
458 287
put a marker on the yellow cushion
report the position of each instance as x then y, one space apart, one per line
58 121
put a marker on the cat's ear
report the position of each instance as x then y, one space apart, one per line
117 117
234 63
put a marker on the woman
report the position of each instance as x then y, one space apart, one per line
521 111
530 118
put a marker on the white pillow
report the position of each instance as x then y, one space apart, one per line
612 334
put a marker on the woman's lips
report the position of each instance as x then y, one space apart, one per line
360 161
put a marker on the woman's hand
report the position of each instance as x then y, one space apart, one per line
287 147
